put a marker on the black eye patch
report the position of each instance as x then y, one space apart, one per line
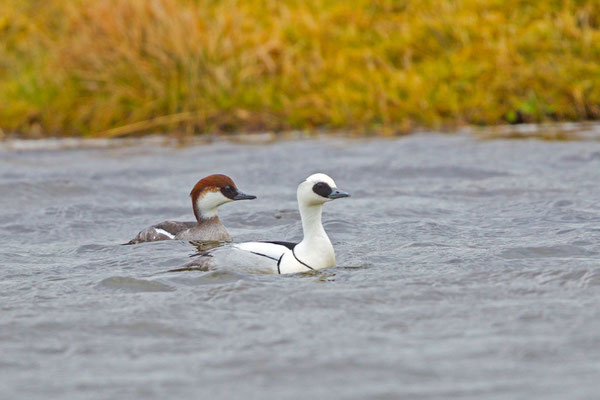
322 189
229 192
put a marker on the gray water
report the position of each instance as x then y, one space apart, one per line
466 269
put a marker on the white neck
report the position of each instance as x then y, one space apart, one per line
315 249
311 222
208 214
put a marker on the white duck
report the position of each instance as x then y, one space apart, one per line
315 251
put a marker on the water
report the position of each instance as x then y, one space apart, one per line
466 269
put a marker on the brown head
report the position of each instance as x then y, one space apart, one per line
211 192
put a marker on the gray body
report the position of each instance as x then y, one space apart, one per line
210 229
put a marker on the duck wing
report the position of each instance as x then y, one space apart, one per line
164 231
289 245
273 250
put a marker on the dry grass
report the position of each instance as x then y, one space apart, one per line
118 67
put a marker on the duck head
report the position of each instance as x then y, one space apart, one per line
211 192
318 189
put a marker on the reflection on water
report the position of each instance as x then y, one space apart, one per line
466 269
133 285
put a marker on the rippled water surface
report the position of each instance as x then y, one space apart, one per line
466 269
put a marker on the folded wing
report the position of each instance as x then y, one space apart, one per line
273 250
164 231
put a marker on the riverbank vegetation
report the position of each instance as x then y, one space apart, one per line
113 68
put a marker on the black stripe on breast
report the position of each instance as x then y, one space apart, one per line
279 264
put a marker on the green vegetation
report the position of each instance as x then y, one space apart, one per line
109 68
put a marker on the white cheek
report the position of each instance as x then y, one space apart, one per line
317 198
208 203
309 197
324 199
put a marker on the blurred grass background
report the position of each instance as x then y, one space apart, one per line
119 67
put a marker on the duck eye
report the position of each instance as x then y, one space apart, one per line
228 191
322 189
